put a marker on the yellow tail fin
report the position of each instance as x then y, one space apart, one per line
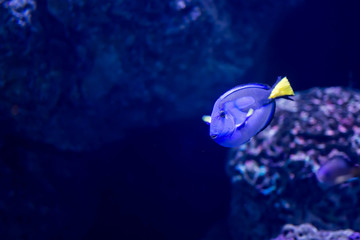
282 89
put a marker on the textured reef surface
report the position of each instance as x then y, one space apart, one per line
76 74
274 176
308 231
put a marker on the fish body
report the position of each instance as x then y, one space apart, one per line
337 170
243 111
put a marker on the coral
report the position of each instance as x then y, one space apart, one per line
20 10
277 169
309 232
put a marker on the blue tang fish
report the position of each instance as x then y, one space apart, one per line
337 170
244 111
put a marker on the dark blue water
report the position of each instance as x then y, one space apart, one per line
174 188
317 45
164 181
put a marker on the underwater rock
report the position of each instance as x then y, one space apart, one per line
82 72
308 231
275 176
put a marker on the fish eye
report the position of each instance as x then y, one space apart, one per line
222 114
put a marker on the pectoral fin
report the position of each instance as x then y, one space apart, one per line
250 112
248 115
206 119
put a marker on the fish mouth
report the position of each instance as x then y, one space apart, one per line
213 136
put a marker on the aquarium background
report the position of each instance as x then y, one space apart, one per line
101 103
